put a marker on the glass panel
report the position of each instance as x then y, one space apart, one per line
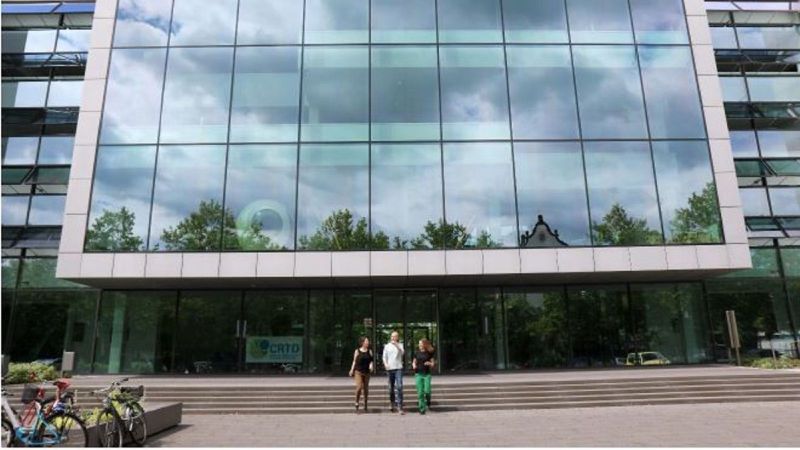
791 262
269 22
10 269
769 37
723 37
56 149
407 195
765 264
405 94
491 333
29 41
337 21
474 96
420 322
120 211
687 192
733 89
550 185
479 195
41 273
661 22
266 115
142 23
335 94
333 203
388 318
458 322
353 318
73 40
47 209
278 317
543 21
743 143
24 94
16 175
609 92
542 100
532 315
20 150
133 96
599 21
785 201
65 93
49 175
779 143
325 348
751 168
622 197
70 326
187 215
473 21
784 167
774 89
754 202
793 287
597 325
197 94
260 197
395 21
207 328
135 332
670 90
15 209
200 22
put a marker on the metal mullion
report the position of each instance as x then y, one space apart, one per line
510 123
299 128
369 125
785 285
442 245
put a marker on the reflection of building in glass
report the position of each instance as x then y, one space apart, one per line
301 173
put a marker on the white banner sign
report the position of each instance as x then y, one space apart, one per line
274 349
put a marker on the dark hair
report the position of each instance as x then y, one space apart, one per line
361 340
426 344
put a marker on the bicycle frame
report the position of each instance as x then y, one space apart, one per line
23 434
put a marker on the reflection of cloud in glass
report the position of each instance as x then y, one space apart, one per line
269 22
142 22
336 21
203 22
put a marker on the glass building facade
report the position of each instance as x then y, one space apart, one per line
253 127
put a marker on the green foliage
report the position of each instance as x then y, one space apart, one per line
113 231
21 373
618 228
441 233
339 231
699 222
769 363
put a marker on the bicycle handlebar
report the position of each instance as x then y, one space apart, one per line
113 385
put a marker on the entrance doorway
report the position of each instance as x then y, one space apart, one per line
412 313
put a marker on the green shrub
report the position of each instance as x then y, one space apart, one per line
769 363
21 372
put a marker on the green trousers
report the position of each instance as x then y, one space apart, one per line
423 382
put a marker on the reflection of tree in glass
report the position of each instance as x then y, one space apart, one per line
537 330
201 231
699 221
618 228
451 235
339 232
113 231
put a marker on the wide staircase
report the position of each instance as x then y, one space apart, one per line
449 394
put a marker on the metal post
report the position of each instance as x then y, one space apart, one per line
733 334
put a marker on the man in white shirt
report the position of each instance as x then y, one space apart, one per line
393 362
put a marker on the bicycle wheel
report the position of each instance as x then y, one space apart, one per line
8 433
136 423
70 429
109 433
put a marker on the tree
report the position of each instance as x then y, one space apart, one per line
113 231
441 234
699 221
618 228
339 231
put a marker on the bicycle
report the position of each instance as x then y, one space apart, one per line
42 425
121 411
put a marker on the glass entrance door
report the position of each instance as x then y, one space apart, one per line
273 332
410 313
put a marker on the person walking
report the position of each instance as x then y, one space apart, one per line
361 369
393 362
423 363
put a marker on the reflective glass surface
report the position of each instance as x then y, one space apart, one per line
405 94
743 143
407 195
20 150
755 202
543 21
120 209
201 22
687 192
609 92
29 41
733 89
335 94
337 21
142 23
779 143
550 184
65 93
73 40
197 93
260 114
479 195
408 21
785 201
472 21
47 209
622 213
187 215
15 209
260 197
599 21
670 92
785 37
333 198
474 96
542 104
723 37
24 94
56 149
659 22
270 22
774 89
133 96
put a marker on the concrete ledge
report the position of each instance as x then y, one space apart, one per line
158 417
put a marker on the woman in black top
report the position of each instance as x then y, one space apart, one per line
361 368
423 364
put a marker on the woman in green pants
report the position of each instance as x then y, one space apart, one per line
422 364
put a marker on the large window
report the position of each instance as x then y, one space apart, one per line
411 21
543 21
142 23
337 21
264 22
599 21
659 22
200 22
473 21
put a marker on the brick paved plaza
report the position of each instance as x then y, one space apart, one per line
708 425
